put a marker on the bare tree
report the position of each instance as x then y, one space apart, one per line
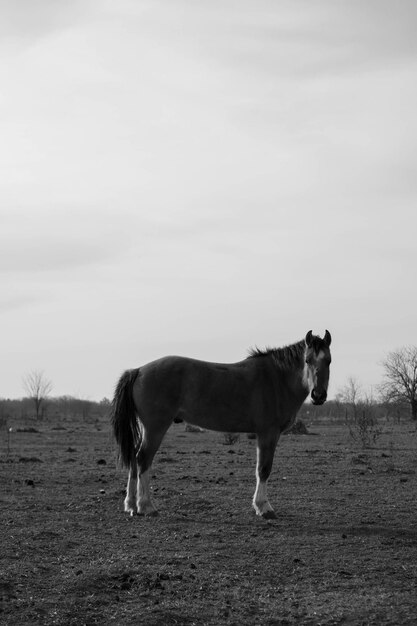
38 388
400 383
350 394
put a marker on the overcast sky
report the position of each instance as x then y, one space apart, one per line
195 178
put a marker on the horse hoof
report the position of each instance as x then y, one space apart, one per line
269 515
131 512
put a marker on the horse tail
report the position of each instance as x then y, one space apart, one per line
123 417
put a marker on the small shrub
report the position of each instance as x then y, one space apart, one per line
298 428
229 439
363 426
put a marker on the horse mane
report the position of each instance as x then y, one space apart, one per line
285 358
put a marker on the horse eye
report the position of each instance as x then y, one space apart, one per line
309 360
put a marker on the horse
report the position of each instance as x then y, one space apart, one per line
261 394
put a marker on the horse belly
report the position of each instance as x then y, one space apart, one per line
226 416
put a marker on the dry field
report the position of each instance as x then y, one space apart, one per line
342 551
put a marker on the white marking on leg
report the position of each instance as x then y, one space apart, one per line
260 500
145 506
130 500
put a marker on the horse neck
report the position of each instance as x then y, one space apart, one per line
290 361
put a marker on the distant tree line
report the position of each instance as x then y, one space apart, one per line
338 410
59 408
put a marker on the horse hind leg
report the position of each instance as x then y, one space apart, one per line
149 447
130 500
265 456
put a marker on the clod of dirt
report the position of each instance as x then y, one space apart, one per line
29 482
124 582
126 585
360 460
30 429
102 462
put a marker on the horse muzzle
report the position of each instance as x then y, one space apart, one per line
318 397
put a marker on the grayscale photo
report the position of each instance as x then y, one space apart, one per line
208 313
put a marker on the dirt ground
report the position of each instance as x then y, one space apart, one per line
343 549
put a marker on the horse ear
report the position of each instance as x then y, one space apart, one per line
308 339
327 338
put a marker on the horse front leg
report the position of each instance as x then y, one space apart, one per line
264 459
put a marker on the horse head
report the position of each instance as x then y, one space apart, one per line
317 365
